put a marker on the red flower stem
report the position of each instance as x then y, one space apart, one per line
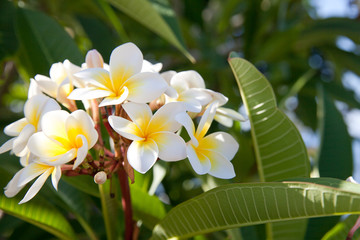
126 203
353 229
96 118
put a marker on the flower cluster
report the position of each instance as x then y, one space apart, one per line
141 109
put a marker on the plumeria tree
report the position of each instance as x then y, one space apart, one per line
120 135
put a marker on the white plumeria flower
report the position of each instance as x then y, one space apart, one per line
209 154
25 175
60 83
64 137
124 81
22 129
149 67
153 135
190 87
224 116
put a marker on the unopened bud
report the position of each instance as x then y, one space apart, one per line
100 177
94 59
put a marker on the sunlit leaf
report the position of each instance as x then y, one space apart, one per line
143 12
341 230
237 205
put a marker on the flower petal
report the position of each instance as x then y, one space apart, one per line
199 162
231 114
55 176
60 159
164 118
35 188
14 129
197 94
21 141
142 155
206 120
88 93
126 128
12 187
52 150
117 99
53 124
223 120
185 120
190 79
145 87
85 126
220 166
81 152
149 67
30 172
222 143
95 77
171 146
125 61
139 113
46 85
7 146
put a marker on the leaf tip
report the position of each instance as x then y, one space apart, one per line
233 55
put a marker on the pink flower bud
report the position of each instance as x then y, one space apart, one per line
94 59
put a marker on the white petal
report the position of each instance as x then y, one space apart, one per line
164 118
81 152
95 77
139 113
30 172
225 121
142 155
125 128
21 141
53 123
35 188
46 85
149 67
117 99
168 75
7 146
216 96
231 114
94 59
86 126
185 120
60 159
12 187
171 92
55 177
191 79
14 129
197 94
34 88
220 166
145 87
52 150
206 120
126 59
171 146
58 73
222 143
199 162
88 93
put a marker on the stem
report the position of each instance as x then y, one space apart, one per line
353 229
126 203
109 210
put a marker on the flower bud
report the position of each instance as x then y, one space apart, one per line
94 59
100 177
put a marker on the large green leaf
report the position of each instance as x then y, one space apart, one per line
237 205
279 149
43 42
143 12
8 40
39 213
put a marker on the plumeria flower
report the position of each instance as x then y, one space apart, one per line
60 83
21 130
66 137
212 153
153 135
224 116
124 80
189 86
28 173
149 67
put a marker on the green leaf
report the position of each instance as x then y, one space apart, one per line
40 213
43 42
237 205
341 230
84 183
149 209
279 149
143 12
